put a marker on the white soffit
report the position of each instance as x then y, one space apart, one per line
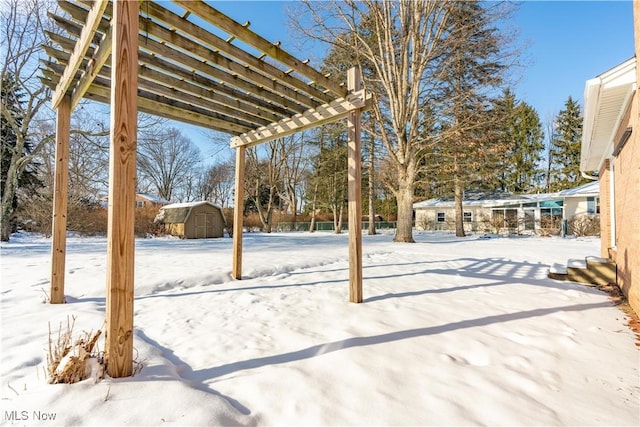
606 99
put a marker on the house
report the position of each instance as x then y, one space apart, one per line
142 200
193 220
503 212
611 146
145 200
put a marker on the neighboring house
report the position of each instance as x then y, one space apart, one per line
500 212
611 146
194 220
145 200
142 200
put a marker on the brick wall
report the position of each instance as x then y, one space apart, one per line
627 212
627 193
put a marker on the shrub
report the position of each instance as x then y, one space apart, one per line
145 225
68 362
549 226
584 225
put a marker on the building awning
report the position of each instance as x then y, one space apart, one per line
606 99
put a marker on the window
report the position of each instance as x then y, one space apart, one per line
593 205
552 204
467 216
529 219
511 217
505 217
440 217
139 204
497 216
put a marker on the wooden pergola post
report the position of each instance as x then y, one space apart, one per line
122 189
60 196
237 213
354 193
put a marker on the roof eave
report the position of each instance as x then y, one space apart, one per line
606 99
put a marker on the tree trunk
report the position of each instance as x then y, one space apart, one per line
312 226
339 226
336 224
8 196
458 192
404 195
294 201
372 191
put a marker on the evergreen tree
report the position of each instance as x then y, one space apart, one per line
565 148
472 70
328 182
521 170
14 178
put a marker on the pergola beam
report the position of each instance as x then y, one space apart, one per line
268 76
243 33
155 104
91 24
267 97
327 113
228 101
100 56
228 48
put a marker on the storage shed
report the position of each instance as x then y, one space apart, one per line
193 220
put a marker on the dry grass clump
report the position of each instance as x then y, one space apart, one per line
67 362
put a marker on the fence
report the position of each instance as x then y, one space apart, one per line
328 226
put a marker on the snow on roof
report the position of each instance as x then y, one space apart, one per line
488 201
588 189
179 212
190 205
480 199
153 198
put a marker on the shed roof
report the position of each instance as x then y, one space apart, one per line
179 212
193 68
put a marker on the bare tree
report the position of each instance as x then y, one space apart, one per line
23 97
329 178
293 151
262 180
402 42
166 160
217 182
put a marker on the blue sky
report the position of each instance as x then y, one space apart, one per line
564 43
569 43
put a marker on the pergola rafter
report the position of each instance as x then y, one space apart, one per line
170 60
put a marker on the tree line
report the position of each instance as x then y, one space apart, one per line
445 121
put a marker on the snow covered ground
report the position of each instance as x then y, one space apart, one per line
451 332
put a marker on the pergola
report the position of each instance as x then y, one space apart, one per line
181 61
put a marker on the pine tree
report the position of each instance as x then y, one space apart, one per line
565 148
472 70
328 182
16 171
521 171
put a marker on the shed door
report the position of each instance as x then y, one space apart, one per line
204 225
